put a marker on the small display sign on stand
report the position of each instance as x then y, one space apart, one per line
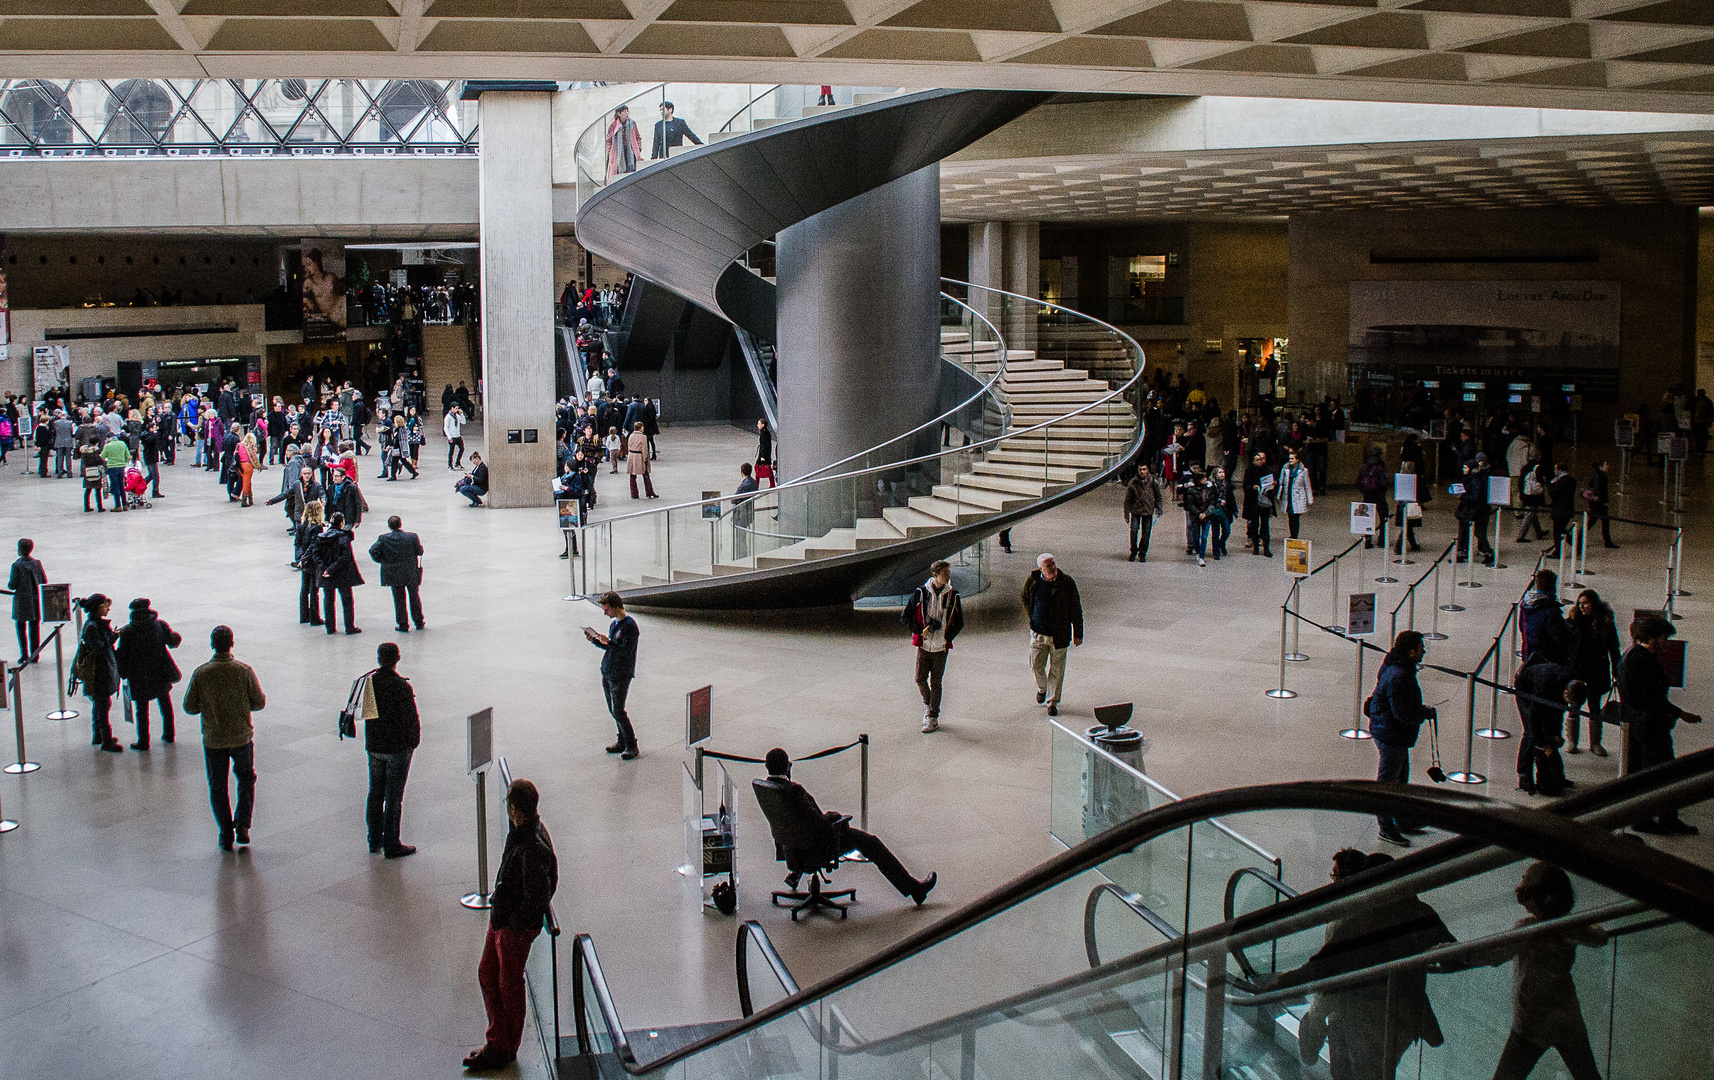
1625 433
1362 519
1499 491
1296 562
698 716
56 603
1404 487
479 741
1360 620
711 505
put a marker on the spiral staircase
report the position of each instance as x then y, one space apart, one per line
1036 399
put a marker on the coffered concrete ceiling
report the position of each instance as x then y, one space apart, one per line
1630 54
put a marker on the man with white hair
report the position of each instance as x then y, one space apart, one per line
1056 622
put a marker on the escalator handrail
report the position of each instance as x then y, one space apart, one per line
584 960
1441 956
1108 399
747 930
1131 900
1667 883
1230 901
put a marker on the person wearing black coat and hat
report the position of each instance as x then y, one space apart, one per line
148 667
97 667
1396 714
25 583
338 573
390 739
400 555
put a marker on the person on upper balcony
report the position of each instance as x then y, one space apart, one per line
670 132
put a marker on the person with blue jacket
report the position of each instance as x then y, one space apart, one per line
618 667
1396 713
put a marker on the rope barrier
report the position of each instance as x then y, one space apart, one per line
829 752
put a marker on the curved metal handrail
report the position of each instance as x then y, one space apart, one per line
748 105
1112 396
1666 883
750 928
1131 900
1242 872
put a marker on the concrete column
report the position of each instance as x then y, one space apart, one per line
859 324
987 267
1022 268
515 204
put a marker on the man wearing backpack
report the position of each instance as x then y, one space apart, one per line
934 616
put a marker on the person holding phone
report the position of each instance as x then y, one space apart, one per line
618 667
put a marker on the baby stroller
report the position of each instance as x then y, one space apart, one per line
135 486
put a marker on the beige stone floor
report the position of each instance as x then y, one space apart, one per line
128 941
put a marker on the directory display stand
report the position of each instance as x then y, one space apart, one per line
710 832
479 744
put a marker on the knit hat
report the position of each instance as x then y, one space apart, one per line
140 604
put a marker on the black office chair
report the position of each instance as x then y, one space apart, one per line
805 843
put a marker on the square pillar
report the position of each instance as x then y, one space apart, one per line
987 267
1022 268
515 201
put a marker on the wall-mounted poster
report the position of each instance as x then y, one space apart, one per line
50 363
324 290
1484 327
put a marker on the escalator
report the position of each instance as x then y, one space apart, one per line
1213 975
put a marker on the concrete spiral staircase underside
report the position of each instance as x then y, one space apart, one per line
685 222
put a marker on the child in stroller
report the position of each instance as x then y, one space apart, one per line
135 486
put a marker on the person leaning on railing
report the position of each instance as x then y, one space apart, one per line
1648 713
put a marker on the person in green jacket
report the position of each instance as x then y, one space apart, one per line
116 454
225 693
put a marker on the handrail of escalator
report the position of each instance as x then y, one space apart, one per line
1112 396
750 928
1447 957
1671 885
573 360
1276 884
1130 900
584 960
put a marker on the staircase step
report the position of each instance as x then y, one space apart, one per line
790 555
722 136
953 336
972 495
1032 489
1054 473
836 542
949 511
876 532
1038 388
1025 457
690 575
912 523
1039 381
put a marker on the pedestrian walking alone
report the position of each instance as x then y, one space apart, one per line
224 692
1056 623
1396 714
1142 499
934 616
390 739
146 665
637 460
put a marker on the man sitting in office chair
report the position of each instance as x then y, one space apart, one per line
847 839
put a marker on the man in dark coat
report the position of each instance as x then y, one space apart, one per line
1648 713
400 555
390 737
670 132
148 667
25 584
529 874
1396 714
1056 622
339 573
1545 632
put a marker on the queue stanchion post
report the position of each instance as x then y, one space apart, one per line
1285 614
1583 547
1468 775
1333 620
1451 604
1497 566
23 764
480 900
1493 730
1678 588
62 713
1470 557
1355 731
863 781
1296 655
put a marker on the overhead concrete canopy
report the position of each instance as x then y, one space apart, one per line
1619 54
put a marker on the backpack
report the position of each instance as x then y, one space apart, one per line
1373 476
